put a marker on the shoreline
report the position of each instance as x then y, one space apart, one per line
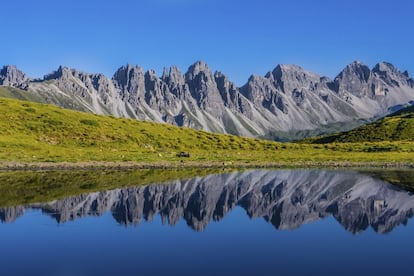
101 165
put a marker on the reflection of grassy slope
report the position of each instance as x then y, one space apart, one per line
18 188
401 178
31 132
396 127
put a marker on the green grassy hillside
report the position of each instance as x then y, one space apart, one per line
31 132
396 127
38 132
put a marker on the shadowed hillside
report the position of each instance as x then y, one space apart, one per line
397 127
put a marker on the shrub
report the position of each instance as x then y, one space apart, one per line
53 122
89 122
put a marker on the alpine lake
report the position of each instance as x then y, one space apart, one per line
206 222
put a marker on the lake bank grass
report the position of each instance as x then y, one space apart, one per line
98 165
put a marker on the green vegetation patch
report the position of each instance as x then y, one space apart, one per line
89 122
30 109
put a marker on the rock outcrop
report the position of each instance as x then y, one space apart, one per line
11 76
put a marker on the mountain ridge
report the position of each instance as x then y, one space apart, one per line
288 99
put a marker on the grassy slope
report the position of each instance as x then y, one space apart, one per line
396 127
31 132
15 93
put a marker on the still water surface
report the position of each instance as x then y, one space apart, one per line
261 222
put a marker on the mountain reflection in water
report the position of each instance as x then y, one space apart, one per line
286 199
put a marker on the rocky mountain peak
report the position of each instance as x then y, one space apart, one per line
254 78
290 77
130 81
151 73
174 76
391 75
11 76
203 87
128 70
355 71
198 68
384 67
405 73
128 76
220 75
355 79
288 68
62 72
164 73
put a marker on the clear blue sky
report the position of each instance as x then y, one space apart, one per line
236 37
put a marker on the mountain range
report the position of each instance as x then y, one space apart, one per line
286 199
288 102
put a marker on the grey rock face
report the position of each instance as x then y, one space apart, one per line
356 79
130 82
11 76
390 75
203 87
286 99
286 199
262 92
384 85
78 90
291 77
